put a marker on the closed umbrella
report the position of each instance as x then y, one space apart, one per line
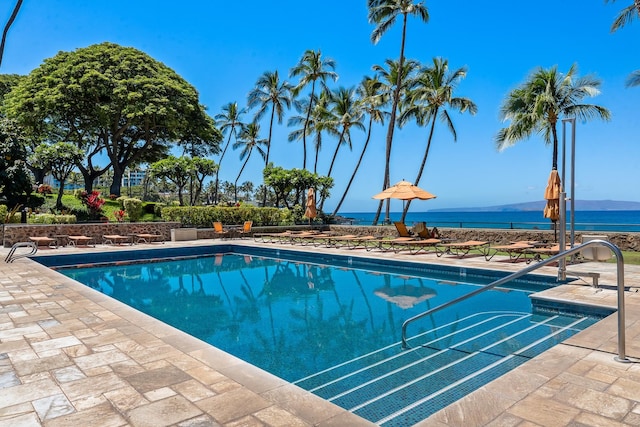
310 211
552 196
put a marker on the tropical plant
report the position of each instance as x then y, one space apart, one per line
431 93
626 16
384 13
227 121
347 113
93 202
60 159
311 68
543 99
249 140
372 99
15 178
269 91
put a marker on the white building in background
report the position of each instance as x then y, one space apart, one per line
129 179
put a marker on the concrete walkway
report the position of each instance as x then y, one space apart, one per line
72 356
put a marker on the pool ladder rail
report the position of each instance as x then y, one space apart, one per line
621 357
11 256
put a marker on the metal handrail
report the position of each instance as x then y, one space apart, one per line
620 280
11 258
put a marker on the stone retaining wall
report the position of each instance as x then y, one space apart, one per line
14 233
625 241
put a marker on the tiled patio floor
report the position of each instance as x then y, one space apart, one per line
70 356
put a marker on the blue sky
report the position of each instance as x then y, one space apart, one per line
222 48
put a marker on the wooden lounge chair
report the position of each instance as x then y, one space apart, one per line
461 249
403 231
80 241
116 239
538 254
515 250
149 238
425 233
45 241
385 245
415 246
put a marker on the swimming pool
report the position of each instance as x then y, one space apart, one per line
335 330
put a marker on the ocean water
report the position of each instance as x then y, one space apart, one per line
623 221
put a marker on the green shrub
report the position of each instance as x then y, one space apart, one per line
204 216
4 210
51 219
133 208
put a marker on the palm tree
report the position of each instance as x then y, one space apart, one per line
321 120
269 91
311 68
384 14
228 120
626 16
248 140
372 98
431 93
347 114
537 105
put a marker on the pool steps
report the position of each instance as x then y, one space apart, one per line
441 366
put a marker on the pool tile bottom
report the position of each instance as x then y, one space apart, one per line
69 355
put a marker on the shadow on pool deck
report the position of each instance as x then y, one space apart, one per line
70 355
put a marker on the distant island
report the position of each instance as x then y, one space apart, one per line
583 205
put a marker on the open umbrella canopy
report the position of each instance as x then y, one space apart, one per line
552 195
404 190
311 212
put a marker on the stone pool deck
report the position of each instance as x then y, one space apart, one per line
70 355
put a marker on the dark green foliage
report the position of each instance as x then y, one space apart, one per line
14 175
204 216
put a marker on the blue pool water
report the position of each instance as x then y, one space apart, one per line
333 326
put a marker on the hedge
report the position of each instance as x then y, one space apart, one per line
204 216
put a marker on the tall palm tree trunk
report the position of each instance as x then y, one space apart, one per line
235 185
266 159
215 191
353 175
424 162
392 124
306 124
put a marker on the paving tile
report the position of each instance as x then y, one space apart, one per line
232 405
165 412
157 378
68 374
544 412
54 406
28 392
99 359
125 398
193 390
22 420
92 386
102 415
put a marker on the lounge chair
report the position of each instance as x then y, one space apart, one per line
538 254
116 239
515 250
384 244
245 230
415 246
80 241
219 230
461 249
403 231
149 238
425 233
45 241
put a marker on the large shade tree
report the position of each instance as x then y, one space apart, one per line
384 14
544 98
114 100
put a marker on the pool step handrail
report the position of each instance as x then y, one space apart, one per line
11 256
621 357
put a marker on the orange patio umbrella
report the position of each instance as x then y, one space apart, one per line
404 190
